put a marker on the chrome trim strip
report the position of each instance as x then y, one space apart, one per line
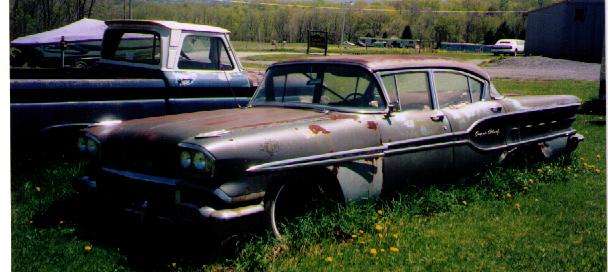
320 159
228 214
142 177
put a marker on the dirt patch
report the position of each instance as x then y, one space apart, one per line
542 68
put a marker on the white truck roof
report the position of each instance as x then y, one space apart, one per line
170 25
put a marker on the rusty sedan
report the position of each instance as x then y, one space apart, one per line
349 128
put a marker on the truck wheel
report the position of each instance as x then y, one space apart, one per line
286 201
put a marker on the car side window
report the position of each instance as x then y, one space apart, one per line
204 53
413 91
476 89
452 89
390 86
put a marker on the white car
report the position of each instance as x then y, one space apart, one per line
508 46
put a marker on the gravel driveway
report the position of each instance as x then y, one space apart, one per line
542 68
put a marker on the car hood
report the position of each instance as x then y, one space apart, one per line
176 128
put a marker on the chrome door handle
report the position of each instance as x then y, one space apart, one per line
437 117
496 109
184 81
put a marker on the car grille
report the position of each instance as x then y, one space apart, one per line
141 157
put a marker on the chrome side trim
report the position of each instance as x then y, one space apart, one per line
228 214
142 177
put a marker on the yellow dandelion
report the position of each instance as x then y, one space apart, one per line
526 188
88 248
597 156
394 249
517 206
31 221
173 265
329 259
597 170
531 181
395 235
508 195
361 232
539 170
582 158
373 251
354 236
38 189
380 235
464 202
382 250
379 227
380 212
60 222
362 242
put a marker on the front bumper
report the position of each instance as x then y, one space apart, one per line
164 199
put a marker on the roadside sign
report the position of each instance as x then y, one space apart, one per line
317 39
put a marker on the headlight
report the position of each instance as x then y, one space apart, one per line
88 144
185 159
199 161
196 160
82 144
91 146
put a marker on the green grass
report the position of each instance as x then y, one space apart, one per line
354 50
533 217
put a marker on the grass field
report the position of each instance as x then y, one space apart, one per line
546 216
240 46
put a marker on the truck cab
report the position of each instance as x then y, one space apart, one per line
146 68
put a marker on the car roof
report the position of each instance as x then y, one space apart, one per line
377 63
170 25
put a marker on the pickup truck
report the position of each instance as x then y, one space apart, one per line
146 68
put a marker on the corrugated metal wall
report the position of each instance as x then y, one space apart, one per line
571 30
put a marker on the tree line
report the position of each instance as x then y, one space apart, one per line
259 22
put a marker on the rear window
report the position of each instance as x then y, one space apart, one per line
136 47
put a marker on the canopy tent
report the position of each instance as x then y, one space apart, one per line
79 31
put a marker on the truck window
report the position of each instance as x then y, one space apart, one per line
137 47
204 53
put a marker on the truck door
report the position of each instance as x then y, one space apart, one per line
460 96
416 134
206 76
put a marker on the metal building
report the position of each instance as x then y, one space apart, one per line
572 29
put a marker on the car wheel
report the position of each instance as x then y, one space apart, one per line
285 202
80 65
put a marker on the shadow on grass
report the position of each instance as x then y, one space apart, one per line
150 245
593 107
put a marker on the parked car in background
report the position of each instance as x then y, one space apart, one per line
508 46
347 128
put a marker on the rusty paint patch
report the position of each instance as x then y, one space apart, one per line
316 129
343 116
269 147
334 170
372 125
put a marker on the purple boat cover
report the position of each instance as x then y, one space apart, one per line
79 31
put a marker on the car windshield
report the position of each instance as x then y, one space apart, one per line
338 87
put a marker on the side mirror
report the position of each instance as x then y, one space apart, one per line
392 107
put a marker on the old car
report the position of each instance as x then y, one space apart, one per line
508 46
346 128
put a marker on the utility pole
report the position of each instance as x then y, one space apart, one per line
130 12
124 9
343 23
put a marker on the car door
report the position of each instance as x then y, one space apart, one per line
415 133
462 98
